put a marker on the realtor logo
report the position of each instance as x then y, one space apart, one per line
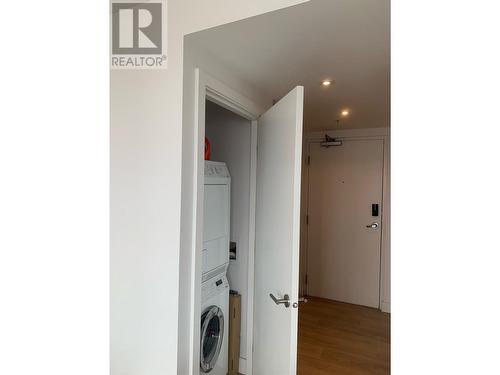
137 34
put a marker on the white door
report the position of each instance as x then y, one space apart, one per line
277 236
343 240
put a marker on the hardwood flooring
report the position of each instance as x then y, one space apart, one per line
342 339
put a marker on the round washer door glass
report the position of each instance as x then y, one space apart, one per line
212 333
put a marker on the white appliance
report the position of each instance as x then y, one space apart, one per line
216 220
215 261
214 326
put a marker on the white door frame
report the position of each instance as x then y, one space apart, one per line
354 134
209 88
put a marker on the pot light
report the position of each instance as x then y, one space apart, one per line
327 82
345 112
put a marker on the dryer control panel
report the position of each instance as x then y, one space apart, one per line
214 286
216 169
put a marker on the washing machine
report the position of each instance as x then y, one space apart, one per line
214 326
216 220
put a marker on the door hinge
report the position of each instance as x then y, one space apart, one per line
305 280
307 219
309 160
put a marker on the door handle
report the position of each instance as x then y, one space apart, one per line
373 225
285 300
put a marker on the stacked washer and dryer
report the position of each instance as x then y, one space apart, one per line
215 262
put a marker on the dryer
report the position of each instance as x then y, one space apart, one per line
216 219
214 326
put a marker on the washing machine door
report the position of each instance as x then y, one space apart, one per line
212 333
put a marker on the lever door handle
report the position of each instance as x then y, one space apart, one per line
285 300
373 225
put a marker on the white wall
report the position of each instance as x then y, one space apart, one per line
230 138
145 209
385 278
144 227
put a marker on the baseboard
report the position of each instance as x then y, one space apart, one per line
243 366
385 306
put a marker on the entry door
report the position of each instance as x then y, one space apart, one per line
343 240
277 236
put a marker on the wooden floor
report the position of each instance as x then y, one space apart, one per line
338 338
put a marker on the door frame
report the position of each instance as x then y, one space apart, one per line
209 88
352 134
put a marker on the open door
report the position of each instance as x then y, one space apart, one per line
277 227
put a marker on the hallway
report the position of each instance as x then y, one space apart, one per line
342 339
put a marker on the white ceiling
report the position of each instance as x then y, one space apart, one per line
344 40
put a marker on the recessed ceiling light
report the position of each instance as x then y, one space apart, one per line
345 112
327 82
